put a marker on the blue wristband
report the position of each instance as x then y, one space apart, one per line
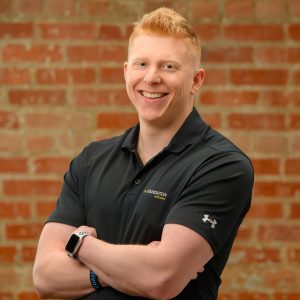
94 281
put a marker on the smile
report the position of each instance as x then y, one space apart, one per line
152 95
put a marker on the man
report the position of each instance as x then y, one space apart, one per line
154 212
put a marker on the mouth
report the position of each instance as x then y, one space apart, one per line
150 95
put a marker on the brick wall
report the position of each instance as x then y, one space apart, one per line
61 86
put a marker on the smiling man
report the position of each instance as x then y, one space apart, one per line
152 213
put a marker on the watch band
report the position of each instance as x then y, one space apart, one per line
94 281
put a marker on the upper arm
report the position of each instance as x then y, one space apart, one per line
186 252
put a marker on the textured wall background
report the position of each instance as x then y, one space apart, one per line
61 86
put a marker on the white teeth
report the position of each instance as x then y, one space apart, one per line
153 95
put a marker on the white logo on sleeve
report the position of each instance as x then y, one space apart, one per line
212 222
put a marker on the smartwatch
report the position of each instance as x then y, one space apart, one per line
74 243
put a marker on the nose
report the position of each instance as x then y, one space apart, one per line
152 76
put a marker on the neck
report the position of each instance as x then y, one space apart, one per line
153 139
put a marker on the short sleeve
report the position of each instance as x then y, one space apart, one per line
216 198
70 204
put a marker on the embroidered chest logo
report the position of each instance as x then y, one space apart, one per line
157 194
213 222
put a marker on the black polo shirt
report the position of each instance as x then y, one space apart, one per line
200 180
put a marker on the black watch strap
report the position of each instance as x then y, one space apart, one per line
95 281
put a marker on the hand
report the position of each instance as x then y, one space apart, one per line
90 230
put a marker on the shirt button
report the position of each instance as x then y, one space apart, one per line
137 181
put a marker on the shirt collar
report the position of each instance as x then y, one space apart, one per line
193 129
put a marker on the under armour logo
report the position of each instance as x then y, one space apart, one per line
212 222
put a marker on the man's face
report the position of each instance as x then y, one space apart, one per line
161 79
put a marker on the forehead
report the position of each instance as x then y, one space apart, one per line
153 46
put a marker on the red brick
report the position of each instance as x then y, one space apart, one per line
16 30
39 143
270 144
82 75
8 120
294 8
208 32
6 7
278 55
251 255
111 75
7 254
239 9
271 9
10 142
96 53
243 296
281 98
256 121
254 32
37 97
292 166
287 296
28 254
52 76
82 31
266 211
29 295
91 97
64 76
202 9
23 231
259 77
216 77
227 55
228 98
295 144
294 31
293 256
113 32
34 53
30 7
66 8
263 166
276 188
294 211
245 233
116 120
44 208
47 165
278 232
56 120
213 119
14 76
28 187
94 7
294 122
12 210
13 165
283 278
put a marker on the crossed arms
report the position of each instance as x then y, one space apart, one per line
159 270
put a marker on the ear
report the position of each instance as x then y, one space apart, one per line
125 69
198 80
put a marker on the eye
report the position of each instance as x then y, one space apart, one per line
140 64
168 67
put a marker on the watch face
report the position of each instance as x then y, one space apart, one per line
72 243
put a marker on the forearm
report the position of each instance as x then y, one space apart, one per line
133 269
57 276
